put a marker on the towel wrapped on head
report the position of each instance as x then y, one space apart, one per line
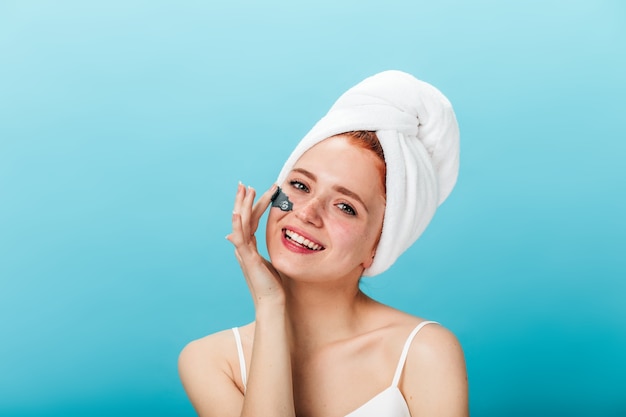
419 134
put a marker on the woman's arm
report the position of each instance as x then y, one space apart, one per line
208 377
435 378
269 391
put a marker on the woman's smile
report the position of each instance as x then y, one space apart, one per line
297 241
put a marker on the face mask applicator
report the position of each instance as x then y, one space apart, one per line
280 200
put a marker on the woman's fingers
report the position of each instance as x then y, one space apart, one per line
261 276
260 206
236 237
241 190
246 215
246 212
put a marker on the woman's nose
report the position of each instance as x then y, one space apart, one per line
309 212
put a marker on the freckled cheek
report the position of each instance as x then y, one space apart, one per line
271 216
348 234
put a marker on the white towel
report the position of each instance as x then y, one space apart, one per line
419 134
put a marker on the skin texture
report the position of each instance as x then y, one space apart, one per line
319 346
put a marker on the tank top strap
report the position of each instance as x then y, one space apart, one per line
242 359
405 352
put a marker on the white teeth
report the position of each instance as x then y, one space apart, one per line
302 240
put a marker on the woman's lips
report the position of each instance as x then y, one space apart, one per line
301 241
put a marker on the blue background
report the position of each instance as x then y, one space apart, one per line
125 126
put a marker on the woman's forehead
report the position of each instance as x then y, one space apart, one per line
336 152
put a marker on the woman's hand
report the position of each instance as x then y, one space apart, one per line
269 391
263 280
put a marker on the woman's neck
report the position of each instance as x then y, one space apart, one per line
319 314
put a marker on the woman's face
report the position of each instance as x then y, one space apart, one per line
338 208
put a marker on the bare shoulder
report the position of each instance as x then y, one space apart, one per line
435 342
207 348
205 367
435 377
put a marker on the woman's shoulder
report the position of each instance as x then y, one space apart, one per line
206 368
400 323
432 341
431 332
206 346
215 345
435 363
202 355
214 353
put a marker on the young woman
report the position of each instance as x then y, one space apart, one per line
359 190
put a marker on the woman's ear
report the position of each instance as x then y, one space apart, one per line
368 262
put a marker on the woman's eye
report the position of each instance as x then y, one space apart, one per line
346 209
299 186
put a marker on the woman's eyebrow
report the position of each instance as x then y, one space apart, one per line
305 173
340 189
352 194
